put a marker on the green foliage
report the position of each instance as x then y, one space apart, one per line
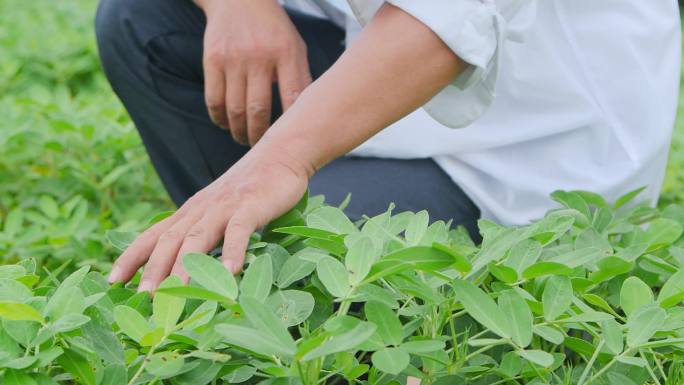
72 164
73 167
568 299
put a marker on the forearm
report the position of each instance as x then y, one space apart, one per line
396 65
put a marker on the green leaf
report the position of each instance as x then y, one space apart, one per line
201 316
572 200
503 273
152 338
333 275
643 323
461 262
610 267
388 325
634 294
662 232
391 360
416 258
589 316
121 239
211 356
520 317
616 378
416 228
523 255
131 322
66 300
49 207
12 272
307 232
511 364
193 292
17 377
673 287
541 269
599 302
579 257
210 274
348 340
538 357
202 374
482 307
549 333
330 219
621 201
553 226
240 374
360 257
165 364
291 306
634 361
14 221
423 346
612 334
105 343
253 340
167 309
69 322
264 320
370 292
557 297
496 248
114 374
14 311
294 269
78 366
258 278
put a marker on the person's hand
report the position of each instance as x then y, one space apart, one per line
247 46
256 190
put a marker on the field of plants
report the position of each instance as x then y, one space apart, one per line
590 294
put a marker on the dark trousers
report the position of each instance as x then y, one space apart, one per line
151 51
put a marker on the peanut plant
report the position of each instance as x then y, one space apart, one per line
589 294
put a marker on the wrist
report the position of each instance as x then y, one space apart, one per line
303 136
284 154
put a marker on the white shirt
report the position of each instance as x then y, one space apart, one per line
560 94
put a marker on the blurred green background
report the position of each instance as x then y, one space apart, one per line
72 165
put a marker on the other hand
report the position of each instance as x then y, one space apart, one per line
247 46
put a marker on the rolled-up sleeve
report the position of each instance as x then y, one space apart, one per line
476 31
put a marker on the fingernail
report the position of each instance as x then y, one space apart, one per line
230 265
145 286
114 275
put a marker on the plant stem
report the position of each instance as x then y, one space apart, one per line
658 363
485 348
146 359
607 366
649 369
590 363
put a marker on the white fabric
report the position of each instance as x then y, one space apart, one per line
561 94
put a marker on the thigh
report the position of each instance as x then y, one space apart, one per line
413 185
151 52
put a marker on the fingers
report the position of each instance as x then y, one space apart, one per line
258 104
203 236
138 252
235 104
236 238
293 77
164 254
215 94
